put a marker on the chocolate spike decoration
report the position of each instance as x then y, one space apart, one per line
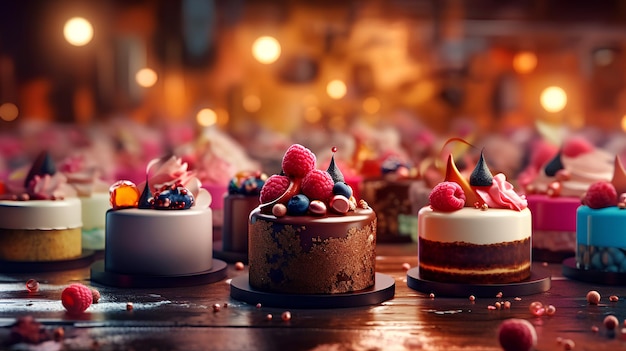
43 165
453 175
333 170
619 177
481 175
554 165
146 194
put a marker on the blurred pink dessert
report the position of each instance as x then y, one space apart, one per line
554 188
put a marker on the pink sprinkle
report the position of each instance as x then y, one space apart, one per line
491 308
568 344
610 322
499 295
432 296
286 316
269 317
507 305
406 266
216 307
551 310
537 308
518 299
545 264
595 329
239 266
129 306
32 285
593 297
498 305
258 305
472 298
613 298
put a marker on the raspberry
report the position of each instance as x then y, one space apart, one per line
516 334
447 197
576 146
298 161
76 298
600 194
274 187
318 185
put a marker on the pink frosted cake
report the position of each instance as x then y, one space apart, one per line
476 232
310 236
41 217
161 227
554 193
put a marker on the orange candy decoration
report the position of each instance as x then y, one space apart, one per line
124 193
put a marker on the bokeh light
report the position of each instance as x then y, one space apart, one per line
336 89
553 99
8 112
252 103
524 62
78 31
146 77
206 117
266 49
624 123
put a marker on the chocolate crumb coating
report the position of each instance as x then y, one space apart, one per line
312 255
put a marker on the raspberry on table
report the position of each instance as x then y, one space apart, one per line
600 195
274 187
516 334
76 298
447 197
318 185
298 161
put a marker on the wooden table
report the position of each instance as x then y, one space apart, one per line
184 319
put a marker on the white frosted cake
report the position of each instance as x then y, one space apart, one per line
163 230
94 210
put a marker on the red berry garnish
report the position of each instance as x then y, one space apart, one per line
576 146
447 197
600 195
517 334
298 161
318 185
76 298
273 188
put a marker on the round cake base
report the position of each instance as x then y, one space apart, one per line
85 259
384 289
101 276
570 270
539 281
228 256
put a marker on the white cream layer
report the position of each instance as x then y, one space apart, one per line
41 214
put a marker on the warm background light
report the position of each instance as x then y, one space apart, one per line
312 114
78 31
206 117
8 112
266 49
553 99
623 123
252 103
336 89
371 105
524 62
146 77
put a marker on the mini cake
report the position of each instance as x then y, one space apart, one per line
476 232
243 197
41 220
309 236
162 227
94 198
601 225
554 193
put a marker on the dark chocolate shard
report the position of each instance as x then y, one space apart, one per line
554 165
43 165
334 171
146 197
481 175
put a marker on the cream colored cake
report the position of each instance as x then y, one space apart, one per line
93 209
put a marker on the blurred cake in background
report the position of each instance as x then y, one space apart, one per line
41 216
242 198
554 187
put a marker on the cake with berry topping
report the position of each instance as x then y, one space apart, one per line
41 216
601 225
242 199
309 235
162 227
554 183
476 231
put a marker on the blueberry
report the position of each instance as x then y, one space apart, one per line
298 205
341 188
174 198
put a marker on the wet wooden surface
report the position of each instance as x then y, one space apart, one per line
183 318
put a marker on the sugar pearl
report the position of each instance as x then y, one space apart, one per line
216 307
593 297
317 207
406 266
340 204
239 266
32 285
279 210
286 316
129 306
610 322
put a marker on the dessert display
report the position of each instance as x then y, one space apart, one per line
475 231
600 225
41 217
310 235
162 227
554 191
93 194
242 198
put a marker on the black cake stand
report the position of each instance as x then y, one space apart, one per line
101 276
570 270
384 289
539 281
